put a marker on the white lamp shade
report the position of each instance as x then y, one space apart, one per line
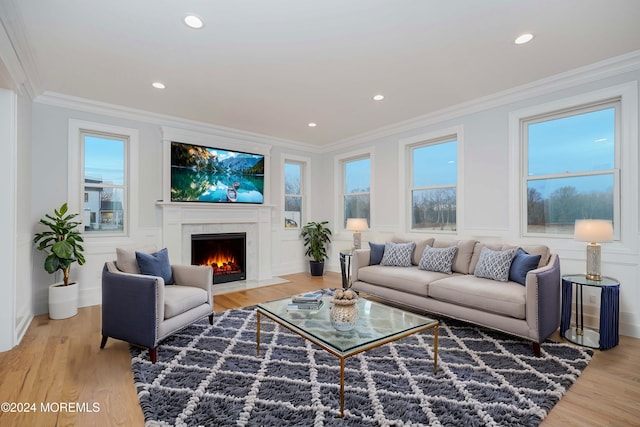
593 230
357 224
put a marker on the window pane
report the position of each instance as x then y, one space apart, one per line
292 174
356 206
103 160
357 176
435 165
553 205
292 211
579 143
104 209
434 209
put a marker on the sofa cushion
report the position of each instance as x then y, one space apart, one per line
494 265
398 254
521 265
542 250
377 251
156 264
179 299
126 261
438 259
463 254
505 298
410 279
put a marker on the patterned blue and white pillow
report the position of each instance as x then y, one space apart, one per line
438 259
398 254
495 265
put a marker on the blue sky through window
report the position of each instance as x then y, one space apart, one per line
292 174
435 164
104 159
574 144
358 176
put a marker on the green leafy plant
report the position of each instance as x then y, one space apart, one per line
61 242
317 237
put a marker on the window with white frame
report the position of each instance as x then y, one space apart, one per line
104 182
356 197
433 184
571 167
293 193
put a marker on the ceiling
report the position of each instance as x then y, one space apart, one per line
271 67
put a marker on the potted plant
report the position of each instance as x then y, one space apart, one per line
61 242
317 237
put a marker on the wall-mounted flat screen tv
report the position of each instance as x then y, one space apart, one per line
214 175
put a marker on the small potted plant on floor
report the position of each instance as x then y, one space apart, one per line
317 237
61 242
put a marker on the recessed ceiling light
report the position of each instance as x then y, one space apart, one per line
378 97
158 85
312 125
524 38
193 21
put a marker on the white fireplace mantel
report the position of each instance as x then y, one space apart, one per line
181 220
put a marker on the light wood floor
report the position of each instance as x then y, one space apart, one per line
59 361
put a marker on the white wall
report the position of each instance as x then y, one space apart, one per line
8 141
486 201
24 226
50 137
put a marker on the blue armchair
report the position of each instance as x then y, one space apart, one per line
142 310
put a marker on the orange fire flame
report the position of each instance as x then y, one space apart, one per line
220 260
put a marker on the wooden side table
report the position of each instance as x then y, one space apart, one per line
608 335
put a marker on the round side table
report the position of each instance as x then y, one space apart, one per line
608 335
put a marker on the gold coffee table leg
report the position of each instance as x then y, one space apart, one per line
435 350
258 335
342 387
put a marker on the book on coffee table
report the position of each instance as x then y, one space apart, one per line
307 306
307 298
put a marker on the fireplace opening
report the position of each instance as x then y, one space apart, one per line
224 252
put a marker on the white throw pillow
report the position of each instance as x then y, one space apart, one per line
126 261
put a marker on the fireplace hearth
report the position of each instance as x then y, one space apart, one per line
224 252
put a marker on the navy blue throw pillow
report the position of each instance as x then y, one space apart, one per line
377 251
155 264
521 265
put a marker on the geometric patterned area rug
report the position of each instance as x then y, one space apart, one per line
210 375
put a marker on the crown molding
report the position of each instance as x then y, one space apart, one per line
579 76
112 110
15 52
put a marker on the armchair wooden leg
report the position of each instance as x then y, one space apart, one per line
536 349
211 319
104 341
153 353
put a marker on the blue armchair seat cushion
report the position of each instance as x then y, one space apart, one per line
179 299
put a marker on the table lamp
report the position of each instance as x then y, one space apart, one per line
357 225
593 231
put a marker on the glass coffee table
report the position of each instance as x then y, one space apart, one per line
378 324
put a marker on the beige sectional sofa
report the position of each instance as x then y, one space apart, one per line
530 310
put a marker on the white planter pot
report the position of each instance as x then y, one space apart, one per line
63 300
